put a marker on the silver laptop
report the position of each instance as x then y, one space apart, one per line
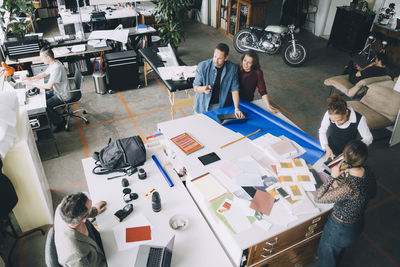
155 256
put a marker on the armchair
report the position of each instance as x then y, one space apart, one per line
343 84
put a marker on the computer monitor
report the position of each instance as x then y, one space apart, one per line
73 5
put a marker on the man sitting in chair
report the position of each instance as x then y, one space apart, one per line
57 88
77 242
375 69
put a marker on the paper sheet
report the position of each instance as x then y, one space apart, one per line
116 35
209 187
262 202
280 215
59 51
228 168
177 73
120 230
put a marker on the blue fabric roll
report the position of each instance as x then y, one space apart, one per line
268 123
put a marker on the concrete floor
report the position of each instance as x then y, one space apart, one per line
298 92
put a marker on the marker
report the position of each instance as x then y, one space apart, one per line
166 177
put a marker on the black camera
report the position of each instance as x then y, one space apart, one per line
121 214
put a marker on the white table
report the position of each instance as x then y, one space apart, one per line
69 18
195 246
212 136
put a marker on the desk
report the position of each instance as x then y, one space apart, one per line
390 35
37 60
290 245
195 246
152 62
23 166
69 18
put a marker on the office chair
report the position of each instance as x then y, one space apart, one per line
67 107
9 198
50 250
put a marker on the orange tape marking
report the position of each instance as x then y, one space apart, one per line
67 186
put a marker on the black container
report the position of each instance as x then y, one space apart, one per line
156 202
122 70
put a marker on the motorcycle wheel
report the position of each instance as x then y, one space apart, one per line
243 37
294 60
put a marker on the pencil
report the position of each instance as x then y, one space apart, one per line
201 176
230 143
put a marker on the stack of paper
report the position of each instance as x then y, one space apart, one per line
209 187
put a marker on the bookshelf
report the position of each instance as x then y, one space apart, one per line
47 9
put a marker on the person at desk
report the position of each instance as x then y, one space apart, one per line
340 125
251 78
77 242
215 78
57 88
375 69
352 186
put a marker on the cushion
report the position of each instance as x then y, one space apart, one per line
374 119
383 100
343 84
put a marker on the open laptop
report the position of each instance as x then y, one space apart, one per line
155 256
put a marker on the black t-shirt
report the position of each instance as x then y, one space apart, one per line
216 88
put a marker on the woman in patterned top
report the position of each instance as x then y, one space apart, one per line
251 78
350 188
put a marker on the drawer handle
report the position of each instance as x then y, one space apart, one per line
309 233
316 220
265 257
312 227
269 250
272 244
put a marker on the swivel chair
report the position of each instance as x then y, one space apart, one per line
9 199
67 107
51 257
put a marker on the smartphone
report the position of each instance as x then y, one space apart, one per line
209 158
282 192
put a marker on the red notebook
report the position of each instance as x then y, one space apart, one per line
186 143
140 233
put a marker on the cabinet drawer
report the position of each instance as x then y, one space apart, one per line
268 248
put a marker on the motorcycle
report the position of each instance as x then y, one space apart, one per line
269 40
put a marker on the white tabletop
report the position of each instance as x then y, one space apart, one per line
194 246
212 136
69 18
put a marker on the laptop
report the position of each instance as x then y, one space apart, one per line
155 256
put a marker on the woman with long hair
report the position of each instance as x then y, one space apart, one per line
350 188
251 78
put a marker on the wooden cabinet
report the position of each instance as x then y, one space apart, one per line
294 246
350 29
234 15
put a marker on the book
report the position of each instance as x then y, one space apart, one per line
186 143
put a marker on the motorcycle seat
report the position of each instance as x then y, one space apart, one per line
256 28
276 29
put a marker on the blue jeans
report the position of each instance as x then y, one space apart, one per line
52 101
336 236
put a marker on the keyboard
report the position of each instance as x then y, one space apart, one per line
155 256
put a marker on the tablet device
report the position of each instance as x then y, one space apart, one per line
230 118
209 158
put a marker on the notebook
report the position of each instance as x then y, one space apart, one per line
186 143
155 256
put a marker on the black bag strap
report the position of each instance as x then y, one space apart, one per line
99 170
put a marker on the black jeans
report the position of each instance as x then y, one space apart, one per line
52 101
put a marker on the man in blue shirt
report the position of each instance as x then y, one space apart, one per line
215 78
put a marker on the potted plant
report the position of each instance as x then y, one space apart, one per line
172 14
15 16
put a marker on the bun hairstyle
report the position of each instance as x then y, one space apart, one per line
337 105
355 153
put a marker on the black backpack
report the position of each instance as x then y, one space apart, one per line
119 154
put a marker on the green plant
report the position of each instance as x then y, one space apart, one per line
18 11
172 14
